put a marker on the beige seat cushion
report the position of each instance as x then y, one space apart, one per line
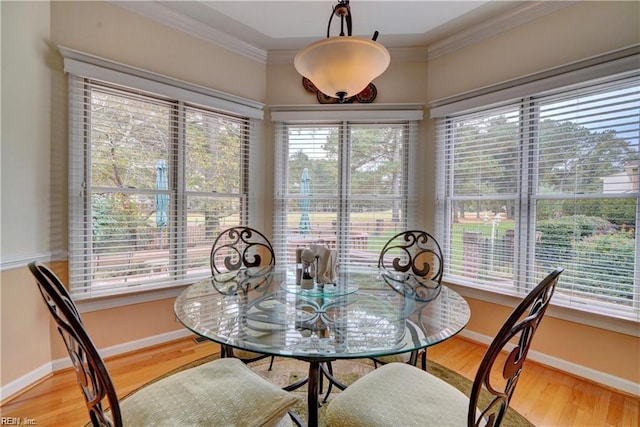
224 392
398 394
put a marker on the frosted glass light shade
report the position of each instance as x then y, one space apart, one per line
342 65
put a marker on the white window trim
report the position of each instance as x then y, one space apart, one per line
616 62
120 300
349 112
85 65
343 113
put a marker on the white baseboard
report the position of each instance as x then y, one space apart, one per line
127 347
571 368
25 381
63 363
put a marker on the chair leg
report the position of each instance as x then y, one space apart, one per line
424 360
326 396
271 363
413 359
296 419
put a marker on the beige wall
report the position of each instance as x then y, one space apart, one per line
26 342
126 324
114 33
602 350
26 122
34 137
402 83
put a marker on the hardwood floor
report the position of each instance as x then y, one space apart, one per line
544 396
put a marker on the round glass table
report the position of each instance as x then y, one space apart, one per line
362 315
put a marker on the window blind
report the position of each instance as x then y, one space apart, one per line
550 179
344 185
152 181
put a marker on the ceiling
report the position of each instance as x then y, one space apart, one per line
260 28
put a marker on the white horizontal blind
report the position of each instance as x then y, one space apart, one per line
482 185
152 182
544 181
586 198
342 184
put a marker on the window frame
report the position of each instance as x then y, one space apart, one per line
183 96
343 117
537 87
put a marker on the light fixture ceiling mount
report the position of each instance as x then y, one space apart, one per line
342 66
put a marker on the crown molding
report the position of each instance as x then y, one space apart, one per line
521 15
163 15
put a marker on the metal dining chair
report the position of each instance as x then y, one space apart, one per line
411 262
400 394
220 392
236 248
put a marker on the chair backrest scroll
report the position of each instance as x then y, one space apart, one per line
518 330
239 247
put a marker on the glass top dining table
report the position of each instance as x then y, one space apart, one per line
366 313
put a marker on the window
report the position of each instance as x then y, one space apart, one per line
342 184
546 180
153 179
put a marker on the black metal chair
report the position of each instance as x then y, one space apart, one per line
223 391
411 262
236 248
400 394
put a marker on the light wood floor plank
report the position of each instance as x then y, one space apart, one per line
545 396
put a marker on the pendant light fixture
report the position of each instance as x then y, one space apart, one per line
342 66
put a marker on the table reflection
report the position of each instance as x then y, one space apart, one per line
367 313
